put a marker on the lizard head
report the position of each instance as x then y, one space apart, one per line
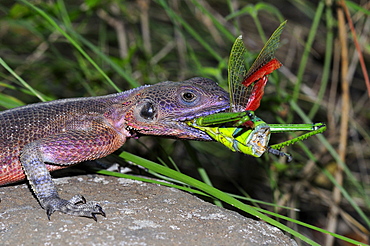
163 108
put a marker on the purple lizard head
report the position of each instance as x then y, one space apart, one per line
161 109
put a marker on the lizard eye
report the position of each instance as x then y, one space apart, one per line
147 111
188 96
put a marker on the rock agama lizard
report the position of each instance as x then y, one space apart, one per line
42 137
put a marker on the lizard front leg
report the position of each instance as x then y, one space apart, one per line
67 148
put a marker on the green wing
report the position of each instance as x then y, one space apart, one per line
239 94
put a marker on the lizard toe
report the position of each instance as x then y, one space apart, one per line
77 199
76 206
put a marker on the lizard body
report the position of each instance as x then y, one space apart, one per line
42 137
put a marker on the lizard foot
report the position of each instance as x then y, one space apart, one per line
76 206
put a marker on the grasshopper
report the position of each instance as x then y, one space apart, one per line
241 130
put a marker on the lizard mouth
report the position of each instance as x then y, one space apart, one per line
194 133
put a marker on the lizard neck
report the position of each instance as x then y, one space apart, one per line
118 105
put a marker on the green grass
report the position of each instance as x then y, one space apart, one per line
70 49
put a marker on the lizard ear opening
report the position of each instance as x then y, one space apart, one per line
146 110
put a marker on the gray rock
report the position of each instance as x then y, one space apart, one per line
137 214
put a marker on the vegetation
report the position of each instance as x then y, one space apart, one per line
64 49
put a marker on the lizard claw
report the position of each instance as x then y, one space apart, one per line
100 211
76 206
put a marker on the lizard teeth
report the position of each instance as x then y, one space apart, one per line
130 128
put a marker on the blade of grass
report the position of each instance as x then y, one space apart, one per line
230 200
347 196
327 62
253 9
109 61
307 48
357 45
343 165
191 30
195 191
211 191
7 101
24 83
92 47
181 186
127 176
72 41
311 227
202 172
357 8
221 27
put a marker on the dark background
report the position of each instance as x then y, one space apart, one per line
144 42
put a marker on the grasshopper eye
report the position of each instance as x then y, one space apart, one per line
148 111
250 114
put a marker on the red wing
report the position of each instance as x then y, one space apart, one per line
256 94
247 94
266 69
258 82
